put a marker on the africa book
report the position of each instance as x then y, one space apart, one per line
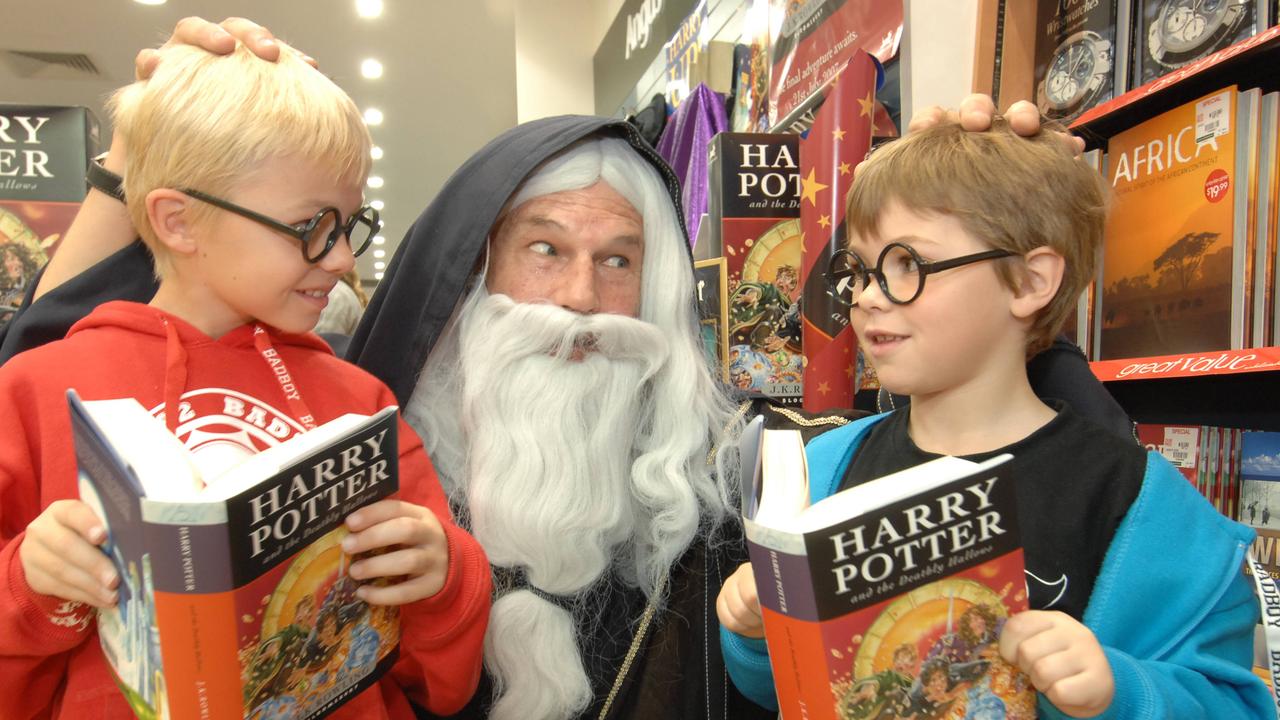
1177 261
887 599
234 600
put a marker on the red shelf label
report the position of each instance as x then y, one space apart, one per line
1176 76
1221 362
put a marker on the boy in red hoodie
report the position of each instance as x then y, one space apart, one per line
246 179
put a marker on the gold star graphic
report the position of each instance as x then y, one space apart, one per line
837 134
810 187
867 105
845 169
824 388
849 371
825 221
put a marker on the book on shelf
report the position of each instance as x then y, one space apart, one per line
1265 317
44 151
1176 267
886 599
1170 34
1080 52
753 208
234 600
1259 505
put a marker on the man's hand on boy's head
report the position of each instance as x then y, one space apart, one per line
217 38
1063 659
61 557
416 557
738 605
976 112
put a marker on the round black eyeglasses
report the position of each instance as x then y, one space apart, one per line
899 271
317 235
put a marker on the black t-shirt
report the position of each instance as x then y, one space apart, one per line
1075 482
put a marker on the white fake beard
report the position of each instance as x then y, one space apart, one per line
547 477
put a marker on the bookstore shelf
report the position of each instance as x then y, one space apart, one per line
1249 63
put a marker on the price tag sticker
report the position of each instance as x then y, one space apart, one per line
1181 446
1213 116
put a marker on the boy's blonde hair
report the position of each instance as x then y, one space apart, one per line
207 121
1010 192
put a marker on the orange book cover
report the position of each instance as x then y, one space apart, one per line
237 605
1176 259
887 599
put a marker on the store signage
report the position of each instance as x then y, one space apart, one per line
1223 362
635 38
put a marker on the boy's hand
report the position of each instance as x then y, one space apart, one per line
61 558
417 555
738 605
976 112
1063 659
218 39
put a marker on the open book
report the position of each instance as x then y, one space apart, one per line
234 600
886 599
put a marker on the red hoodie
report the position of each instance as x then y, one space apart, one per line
51 664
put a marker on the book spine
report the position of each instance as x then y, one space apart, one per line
711 244
792 632
196 613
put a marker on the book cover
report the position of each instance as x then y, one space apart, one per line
1175 260
711 285
1169 34
753 212
890 606
1179 444
812 40
43 155
1260 495
1265 223
236 604
1076 47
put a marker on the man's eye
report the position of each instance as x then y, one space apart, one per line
617 261
542 248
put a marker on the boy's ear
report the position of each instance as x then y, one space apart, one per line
1041 277
167 211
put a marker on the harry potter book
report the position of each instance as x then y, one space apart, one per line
44 152
1177 261
754 222
887 599
234 600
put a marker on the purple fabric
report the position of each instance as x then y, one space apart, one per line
684 145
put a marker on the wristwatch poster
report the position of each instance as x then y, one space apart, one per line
1075 56
1173 33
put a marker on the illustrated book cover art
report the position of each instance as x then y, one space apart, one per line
1176 261
711 286
234 600
1169 34
1079 55
1259 505
44 151
886 599
754 220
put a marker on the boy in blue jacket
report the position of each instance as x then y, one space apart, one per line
967 252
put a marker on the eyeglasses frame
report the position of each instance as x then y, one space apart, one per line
925 269
302 231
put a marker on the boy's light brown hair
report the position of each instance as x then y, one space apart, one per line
209 122
1010 192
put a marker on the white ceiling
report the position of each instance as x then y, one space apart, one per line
448 87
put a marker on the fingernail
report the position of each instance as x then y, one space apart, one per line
355 570
353 519
349 545
97 535
110 579
266 42
109 598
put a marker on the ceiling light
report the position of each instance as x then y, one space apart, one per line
377 276
377 204
379 253
150 2
373 116
371 69
376 153
369 8
375 181
379 240
379 265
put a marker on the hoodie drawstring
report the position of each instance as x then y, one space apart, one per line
175 375
297 406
